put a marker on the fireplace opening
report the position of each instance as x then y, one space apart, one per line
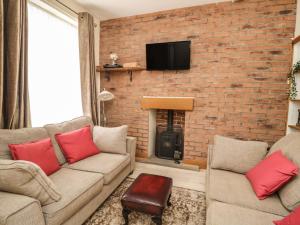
169 137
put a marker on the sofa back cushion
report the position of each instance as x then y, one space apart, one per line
26 178
235 155
290 146
19 136
111 139
63 127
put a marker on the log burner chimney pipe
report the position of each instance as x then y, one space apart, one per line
170 120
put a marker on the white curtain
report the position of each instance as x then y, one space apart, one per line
54 69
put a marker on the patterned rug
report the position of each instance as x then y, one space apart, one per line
188 208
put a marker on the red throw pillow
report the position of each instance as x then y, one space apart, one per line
77 144
39 152
270 174
292 219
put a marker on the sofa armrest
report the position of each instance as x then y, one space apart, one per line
20 210
209 155
131 149
209 158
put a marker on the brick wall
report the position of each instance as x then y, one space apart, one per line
178 118
241 53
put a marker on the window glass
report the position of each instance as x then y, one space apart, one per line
53 68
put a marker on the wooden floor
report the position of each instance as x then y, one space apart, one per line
189 179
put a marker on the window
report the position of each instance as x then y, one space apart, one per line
53 66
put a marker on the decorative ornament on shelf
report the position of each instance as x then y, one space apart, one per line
292 80
114 57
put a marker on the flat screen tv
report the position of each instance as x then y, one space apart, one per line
168 56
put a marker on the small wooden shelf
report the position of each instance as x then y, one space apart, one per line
295 100
295 40
294 127
129 70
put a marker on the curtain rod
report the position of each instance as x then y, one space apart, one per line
95 25
67 7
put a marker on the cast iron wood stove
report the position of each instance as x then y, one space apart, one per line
169 140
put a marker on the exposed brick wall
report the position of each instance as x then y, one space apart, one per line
241 53
178 118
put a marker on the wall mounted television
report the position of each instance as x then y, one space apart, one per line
168 56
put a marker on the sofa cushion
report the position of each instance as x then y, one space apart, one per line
235 155
219 213
17 137
270 174
26 178
63 127
111 139
39 152
77 188
77 144
290 146
107 164
234 188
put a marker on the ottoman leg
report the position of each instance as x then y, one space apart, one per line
169 202
157 220
126 213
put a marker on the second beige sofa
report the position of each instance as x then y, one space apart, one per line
231 200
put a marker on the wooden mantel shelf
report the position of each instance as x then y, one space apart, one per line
171 103
129 70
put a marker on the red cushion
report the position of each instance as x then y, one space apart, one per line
292 219
271 174
39 152
77 145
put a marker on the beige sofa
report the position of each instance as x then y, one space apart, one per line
83 185
231 200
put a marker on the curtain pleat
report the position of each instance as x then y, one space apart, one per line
87 66
15 109
1 64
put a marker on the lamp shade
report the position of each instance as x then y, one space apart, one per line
105 96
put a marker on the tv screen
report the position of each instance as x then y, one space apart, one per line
168 56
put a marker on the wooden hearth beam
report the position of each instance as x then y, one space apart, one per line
173 103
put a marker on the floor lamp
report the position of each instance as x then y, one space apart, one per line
105 96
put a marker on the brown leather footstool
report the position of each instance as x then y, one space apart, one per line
149 194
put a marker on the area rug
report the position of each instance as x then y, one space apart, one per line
188 208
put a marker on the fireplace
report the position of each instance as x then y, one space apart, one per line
169 142
166 127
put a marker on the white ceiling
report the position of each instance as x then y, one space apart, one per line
109 9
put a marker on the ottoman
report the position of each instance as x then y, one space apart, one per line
148 194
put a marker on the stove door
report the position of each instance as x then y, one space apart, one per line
166 144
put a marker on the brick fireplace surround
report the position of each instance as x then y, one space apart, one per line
241 53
